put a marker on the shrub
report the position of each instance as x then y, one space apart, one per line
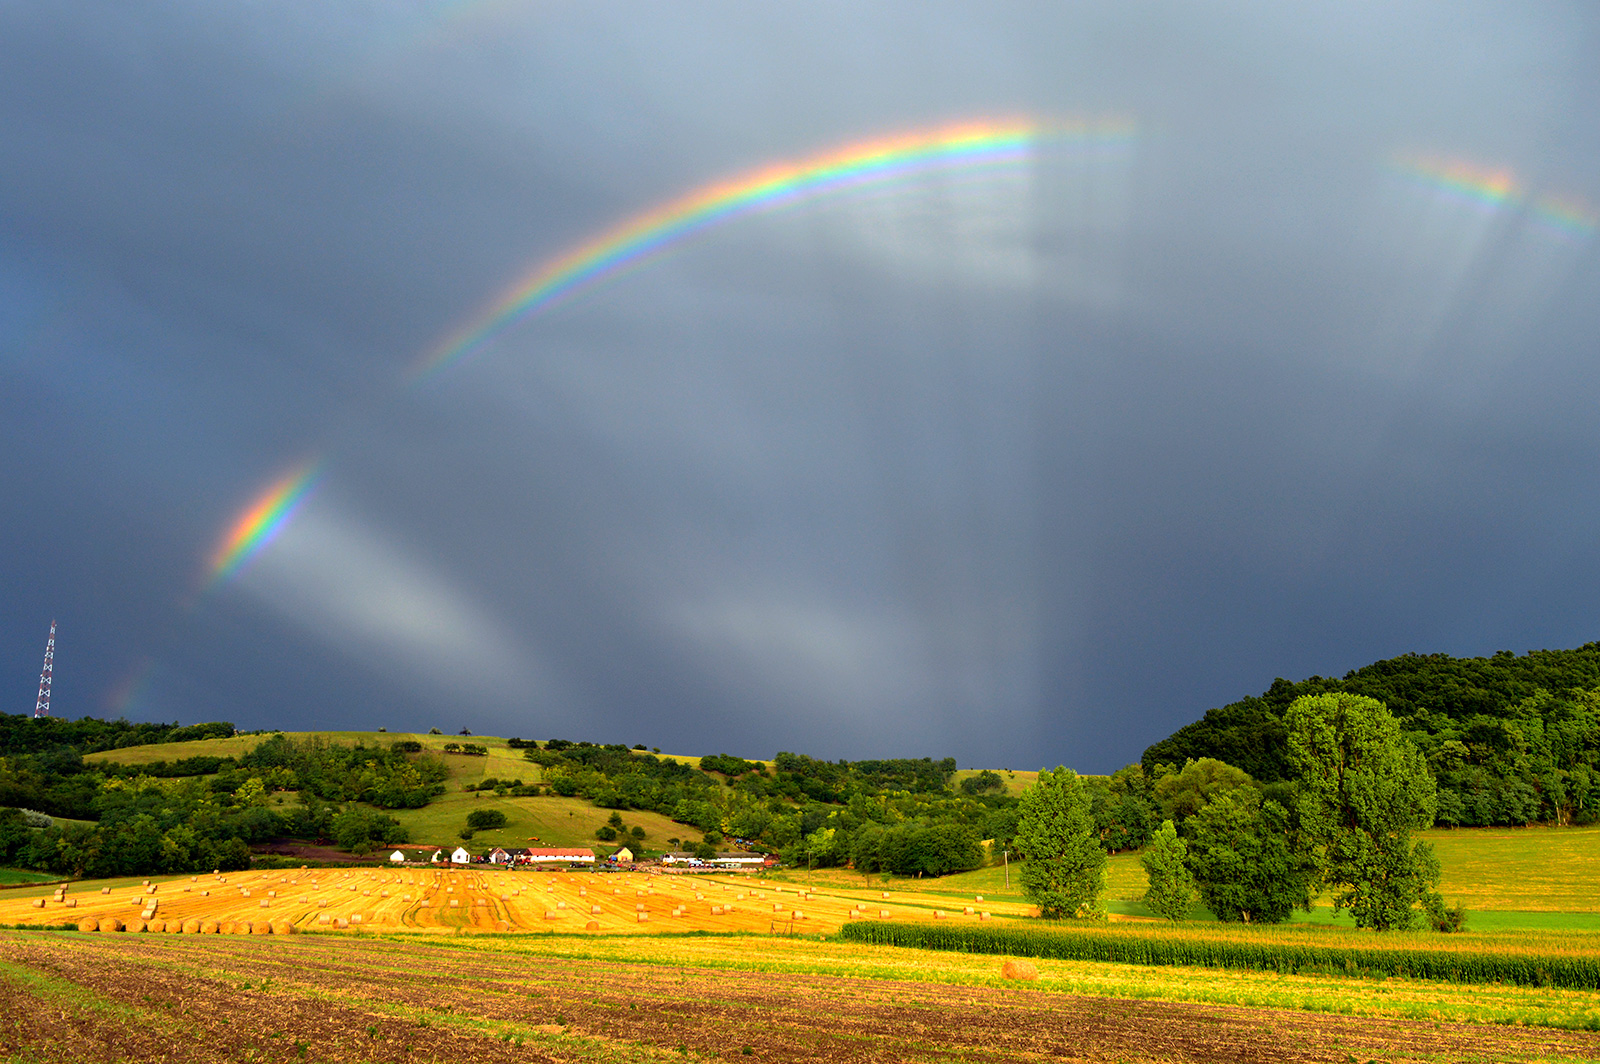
486 819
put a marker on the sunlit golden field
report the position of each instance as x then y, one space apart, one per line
472 899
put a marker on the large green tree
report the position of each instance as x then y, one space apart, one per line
1247 859
1064 867
1171 891
1363 788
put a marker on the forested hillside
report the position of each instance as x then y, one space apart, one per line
1510 740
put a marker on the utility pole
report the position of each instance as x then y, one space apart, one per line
41 708
1005 858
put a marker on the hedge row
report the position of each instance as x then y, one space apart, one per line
1521 969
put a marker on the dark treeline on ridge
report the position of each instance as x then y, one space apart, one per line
1510 740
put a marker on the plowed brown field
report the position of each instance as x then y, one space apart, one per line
72 997
465 899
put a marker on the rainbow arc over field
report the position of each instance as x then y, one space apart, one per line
263 520
976 144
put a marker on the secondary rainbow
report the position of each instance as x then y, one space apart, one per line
1484 186
264 519
873 162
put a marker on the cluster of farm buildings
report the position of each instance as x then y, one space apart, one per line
578 857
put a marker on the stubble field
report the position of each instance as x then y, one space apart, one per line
78 997
468 899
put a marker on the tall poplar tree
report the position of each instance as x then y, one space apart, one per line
1363 788
1063 869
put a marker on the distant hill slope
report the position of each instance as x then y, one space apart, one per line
1510 739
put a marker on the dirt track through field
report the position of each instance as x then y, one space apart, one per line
70 997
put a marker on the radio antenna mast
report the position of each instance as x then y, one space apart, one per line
41 708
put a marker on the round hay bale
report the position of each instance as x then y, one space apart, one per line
638 908
261 927
594 910
265 904
644 918
967 910
191 927
324 918
883 914
716 910
89 924
1019 970
977 897
226 927
38 903
592 925
71 903
105 890
551 915
341 923
283 927
455 903
356 918
210 927
983 916
111 923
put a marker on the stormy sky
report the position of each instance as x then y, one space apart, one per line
1024 464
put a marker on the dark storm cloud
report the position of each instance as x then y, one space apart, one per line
1026 467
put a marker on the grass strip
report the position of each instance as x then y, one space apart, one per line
1518 969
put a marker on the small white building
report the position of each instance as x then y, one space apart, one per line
499 856
438 855
397 857
461 856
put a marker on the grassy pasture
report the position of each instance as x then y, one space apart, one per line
552 820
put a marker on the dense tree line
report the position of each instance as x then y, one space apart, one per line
896 815
1358 788
22 733
1509 740
199 813
382 776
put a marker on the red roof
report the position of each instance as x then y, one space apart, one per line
559 854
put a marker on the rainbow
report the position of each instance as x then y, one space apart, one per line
263 520
650 234
1568 215
1466 181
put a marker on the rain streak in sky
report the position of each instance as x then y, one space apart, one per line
1011 384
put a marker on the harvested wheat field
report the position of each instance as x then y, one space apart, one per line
78 997
464 899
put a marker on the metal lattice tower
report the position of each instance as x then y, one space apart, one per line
41 708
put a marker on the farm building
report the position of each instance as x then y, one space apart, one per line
461 856
623 856
556 855
499 856
397 857
742 859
